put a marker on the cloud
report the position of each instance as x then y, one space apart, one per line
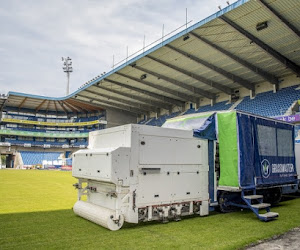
37 34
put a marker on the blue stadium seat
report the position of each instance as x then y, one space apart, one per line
160 120
207 108
270 104
34 143
52 131
37 118
69 162
33 157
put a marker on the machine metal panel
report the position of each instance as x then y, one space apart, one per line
120 166
171 184
112 137
188 186
92 164
151 191
163 150
158 131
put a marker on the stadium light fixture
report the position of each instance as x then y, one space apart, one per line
262 25
144 76
67 68
186 37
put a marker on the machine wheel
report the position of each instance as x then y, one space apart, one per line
272 195
224 198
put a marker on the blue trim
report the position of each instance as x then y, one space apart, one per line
290 189
211 172
169 40
36 96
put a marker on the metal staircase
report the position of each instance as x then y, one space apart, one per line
255 203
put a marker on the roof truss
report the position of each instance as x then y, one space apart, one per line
146 92
130 103
134 97
116 105
280 17
40 105
197 77
22 103
75 110
288 63
221 71
190 88
87 107
267 76
62 106
101 106
162 88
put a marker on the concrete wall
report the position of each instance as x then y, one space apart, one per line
116 118
18 163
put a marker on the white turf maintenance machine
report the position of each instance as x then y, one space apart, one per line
139 173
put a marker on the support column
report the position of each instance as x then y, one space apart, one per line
252 94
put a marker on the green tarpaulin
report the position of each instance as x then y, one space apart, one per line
228 149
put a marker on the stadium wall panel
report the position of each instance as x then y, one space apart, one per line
117 118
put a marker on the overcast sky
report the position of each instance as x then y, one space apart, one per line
35 34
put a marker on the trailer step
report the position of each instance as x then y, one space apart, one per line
268 216
253 197
261 205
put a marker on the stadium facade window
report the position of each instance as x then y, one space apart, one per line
21 138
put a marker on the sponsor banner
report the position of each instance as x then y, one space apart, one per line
266 152
43 134
281 170
289 118
59 124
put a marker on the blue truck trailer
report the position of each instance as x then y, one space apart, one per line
251 159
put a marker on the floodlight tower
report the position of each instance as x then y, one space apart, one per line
67 68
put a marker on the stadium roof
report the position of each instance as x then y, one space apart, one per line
246 43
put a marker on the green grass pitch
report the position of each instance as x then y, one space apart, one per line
36 213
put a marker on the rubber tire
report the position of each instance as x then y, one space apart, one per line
222 199
272 195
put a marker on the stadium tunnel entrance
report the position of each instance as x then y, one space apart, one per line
7 160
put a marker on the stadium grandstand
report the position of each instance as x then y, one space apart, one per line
36 136
244 57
